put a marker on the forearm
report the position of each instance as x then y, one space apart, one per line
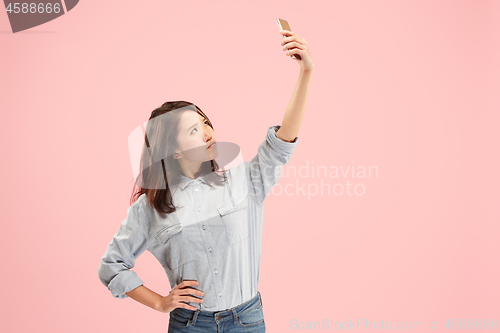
295 111
145 296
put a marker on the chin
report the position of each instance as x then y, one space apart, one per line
212 155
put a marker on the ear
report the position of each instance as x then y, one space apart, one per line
177 154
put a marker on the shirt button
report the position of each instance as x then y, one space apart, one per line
203 226
220 294
215 271
196 190
198 209
210 249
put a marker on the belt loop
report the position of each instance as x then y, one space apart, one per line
195 316
235 315
260 298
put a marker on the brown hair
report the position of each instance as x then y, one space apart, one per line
154 176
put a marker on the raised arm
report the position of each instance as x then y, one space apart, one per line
294 44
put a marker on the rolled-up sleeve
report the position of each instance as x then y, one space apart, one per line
127 244
265 168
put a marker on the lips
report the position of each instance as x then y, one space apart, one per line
213 143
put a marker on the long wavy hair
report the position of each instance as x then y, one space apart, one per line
161 136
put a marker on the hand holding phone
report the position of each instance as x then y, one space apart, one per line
283 25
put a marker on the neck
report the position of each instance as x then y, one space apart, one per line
192 171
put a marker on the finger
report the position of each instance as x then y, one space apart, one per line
291 51
296 51
286 33
185 306
197 292
292 45
301 40
288 40
192 299
192 291
188 287
298 38
186 283
186 291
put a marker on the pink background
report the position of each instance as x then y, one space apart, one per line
410 87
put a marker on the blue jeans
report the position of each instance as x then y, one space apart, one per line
244 318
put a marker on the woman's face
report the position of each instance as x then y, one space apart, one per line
194 138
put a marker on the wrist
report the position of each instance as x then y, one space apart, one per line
158 304
306 70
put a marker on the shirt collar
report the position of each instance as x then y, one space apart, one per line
185 181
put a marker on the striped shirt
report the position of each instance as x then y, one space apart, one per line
214 236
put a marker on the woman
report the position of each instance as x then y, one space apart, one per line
203 224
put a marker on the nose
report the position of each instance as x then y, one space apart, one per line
206 135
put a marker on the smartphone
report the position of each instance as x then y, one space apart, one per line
283 25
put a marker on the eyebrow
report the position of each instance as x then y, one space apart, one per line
192 126
195 125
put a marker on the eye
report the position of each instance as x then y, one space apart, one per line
205 122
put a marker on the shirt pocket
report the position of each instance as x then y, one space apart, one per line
235 219
173 241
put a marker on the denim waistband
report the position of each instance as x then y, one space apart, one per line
218 316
